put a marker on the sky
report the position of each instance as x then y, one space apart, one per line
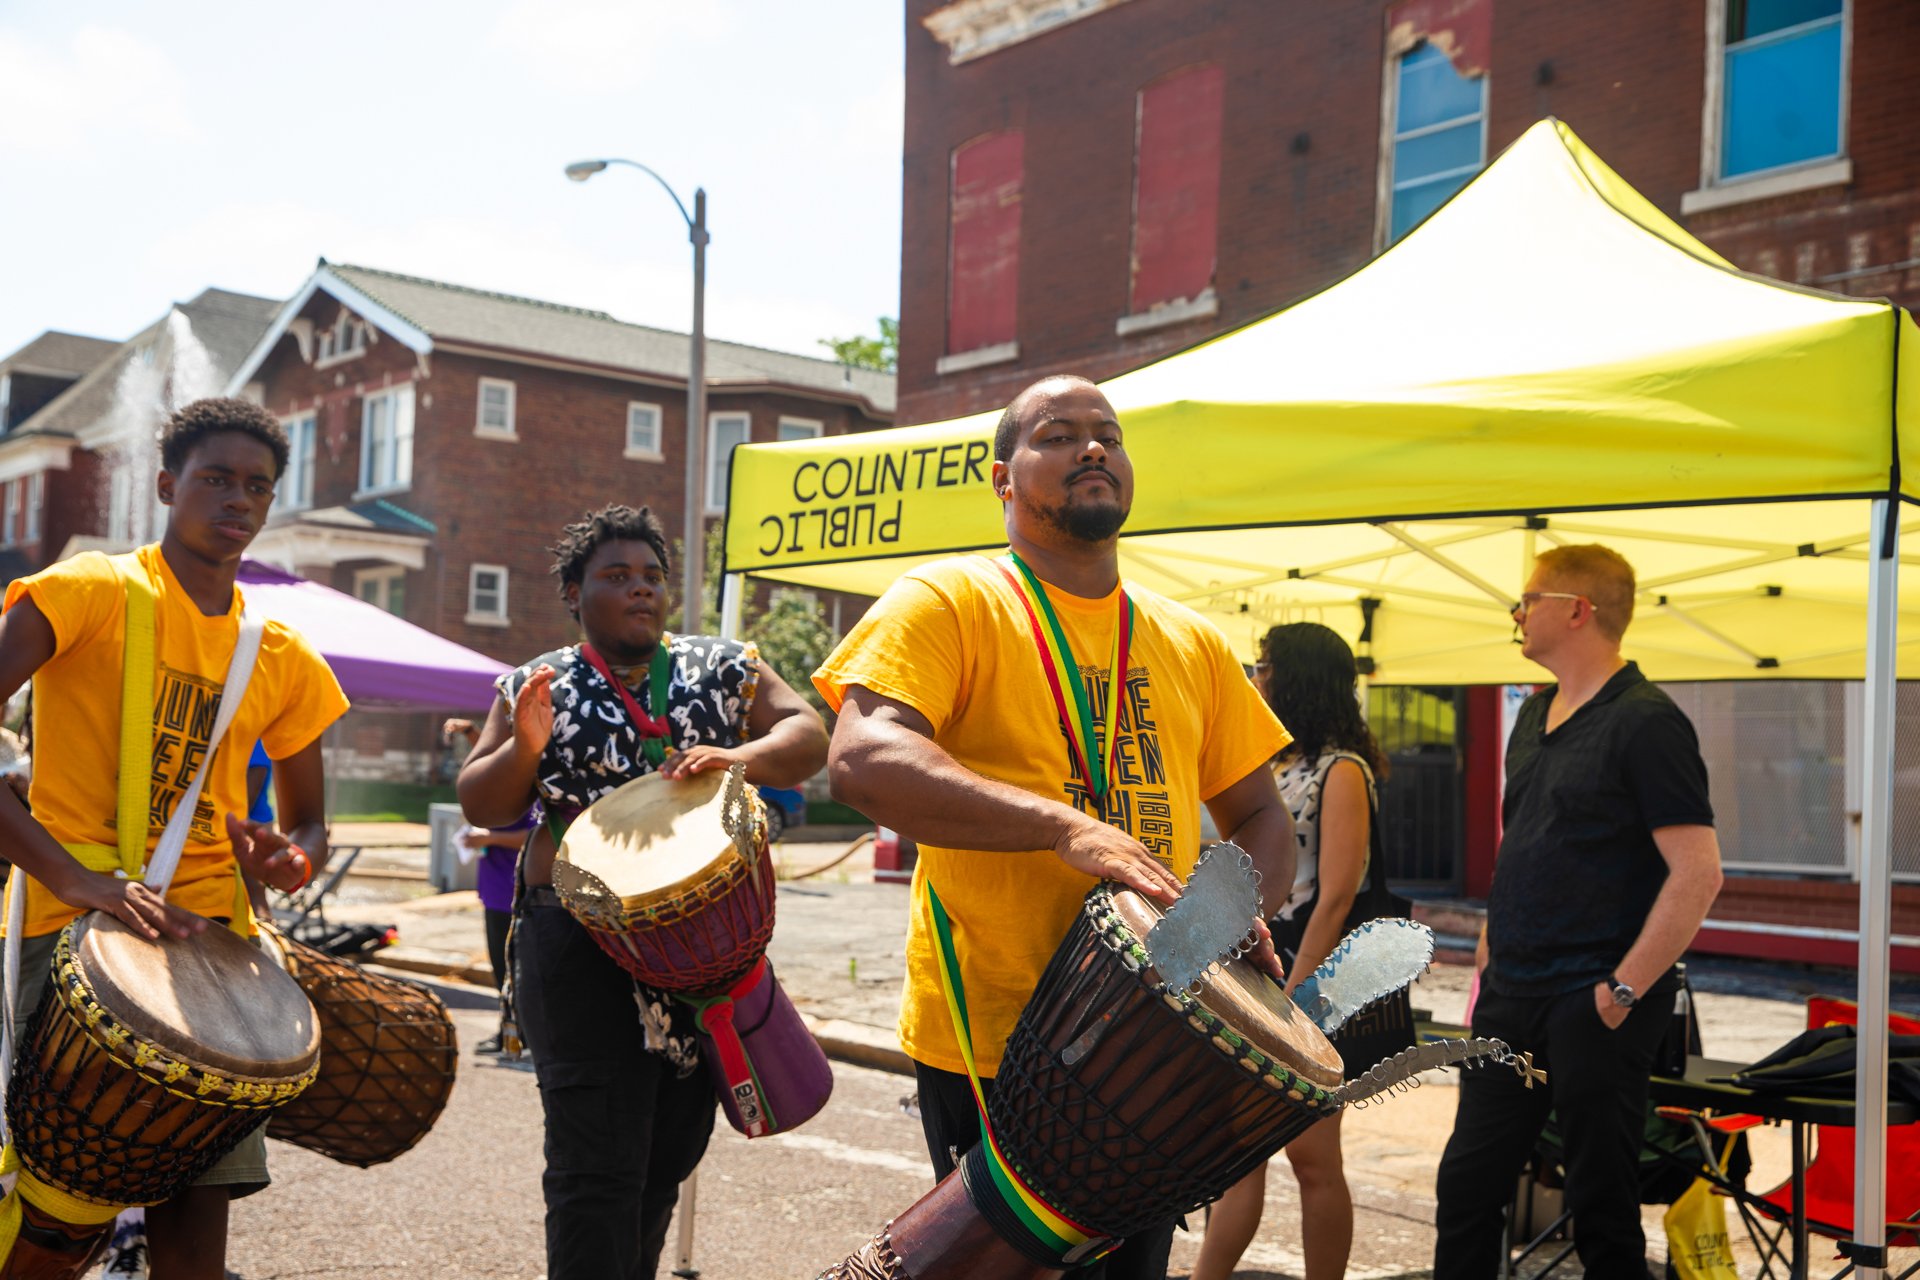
148 151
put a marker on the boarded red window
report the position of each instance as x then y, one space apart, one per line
1176 194
983 267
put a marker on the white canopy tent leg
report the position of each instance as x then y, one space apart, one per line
731 589
1876 851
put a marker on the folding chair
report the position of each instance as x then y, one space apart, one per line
1829 1175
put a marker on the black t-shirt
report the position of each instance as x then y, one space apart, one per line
1578 869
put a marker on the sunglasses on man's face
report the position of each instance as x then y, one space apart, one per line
1528 600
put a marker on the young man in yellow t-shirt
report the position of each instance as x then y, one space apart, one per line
65 628
949 732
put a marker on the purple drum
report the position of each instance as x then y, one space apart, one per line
673 879
766 1066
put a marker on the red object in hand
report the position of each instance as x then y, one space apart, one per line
305 864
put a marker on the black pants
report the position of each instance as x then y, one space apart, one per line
498 922
951 1121
622 1130
1597 1089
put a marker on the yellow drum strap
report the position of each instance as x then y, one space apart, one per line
136 719
65 1207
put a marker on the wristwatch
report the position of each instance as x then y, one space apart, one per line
1623 994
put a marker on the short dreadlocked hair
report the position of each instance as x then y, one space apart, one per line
615 522
194 423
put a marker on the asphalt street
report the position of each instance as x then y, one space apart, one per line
466 1202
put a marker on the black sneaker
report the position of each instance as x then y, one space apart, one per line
490 1045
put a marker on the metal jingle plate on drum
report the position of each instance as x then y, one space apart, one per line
741 816
1210 921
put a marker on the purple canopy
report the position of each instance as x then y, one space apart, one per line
380 660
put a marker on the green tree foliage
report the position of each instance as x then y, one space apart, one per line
789 625
882 353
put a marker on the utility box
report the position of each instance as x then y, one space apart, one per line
449 867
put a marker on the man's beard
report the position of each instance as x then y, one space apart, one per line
1084 522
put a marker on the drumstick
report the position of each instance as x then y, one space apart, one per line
689 1201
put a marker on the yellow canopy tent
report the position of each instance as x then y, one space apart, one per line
1548 358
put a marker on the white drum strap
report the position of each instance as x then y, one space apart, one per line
173 841
10 987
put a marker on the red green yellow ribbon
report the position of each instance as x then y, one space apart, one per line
1054 1230
1071 698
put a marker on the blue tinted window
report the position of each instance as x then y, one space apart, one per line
1782 99
1748 18
1439 139
1432 92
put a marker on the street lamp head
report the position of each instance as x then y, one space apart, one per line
581 170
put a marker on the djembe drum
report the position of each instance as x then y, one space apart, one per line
1120 1103
673 879
147 1062
387 1061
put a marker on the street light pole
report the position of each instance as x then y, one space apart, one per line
696 552
694 557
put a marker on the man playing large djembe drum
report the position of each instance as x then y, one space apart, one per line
628 1110
66 628
1037 726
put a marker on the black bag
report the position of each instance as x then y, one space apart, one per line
1385 1027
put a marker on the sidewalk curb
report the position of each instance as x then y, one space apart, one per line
435 965
859 1045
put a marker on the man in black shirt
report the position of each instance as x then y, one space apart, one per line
1607 866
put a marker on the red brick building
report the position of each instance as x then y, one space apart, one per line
443 435
1091 185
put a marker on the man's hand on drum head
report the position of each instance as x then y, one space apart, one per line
684 764
1262 955
268 856
1108 853
134 905
533 712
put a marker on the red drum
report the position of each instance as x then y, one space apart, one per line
673 879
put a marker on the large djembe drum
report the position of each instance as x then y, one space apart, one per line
1119 1102
387 1061
146 1063
674 880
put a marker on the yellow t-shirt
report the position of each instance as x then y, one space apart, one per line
291 698
952 641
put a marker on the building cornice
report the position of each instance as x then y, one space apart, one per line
975 28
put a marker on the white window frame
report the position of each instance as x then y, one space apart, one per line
640 453
346 339
1390 133
295 490
801 428
7 538
401 468
1716 192
487 430
475 615
717 460
386 576
36 502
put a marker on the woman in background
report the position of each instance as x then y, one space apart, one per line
1327 778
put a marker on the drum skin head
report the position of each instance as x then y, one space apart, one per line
214 999
1251 1003
654 838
